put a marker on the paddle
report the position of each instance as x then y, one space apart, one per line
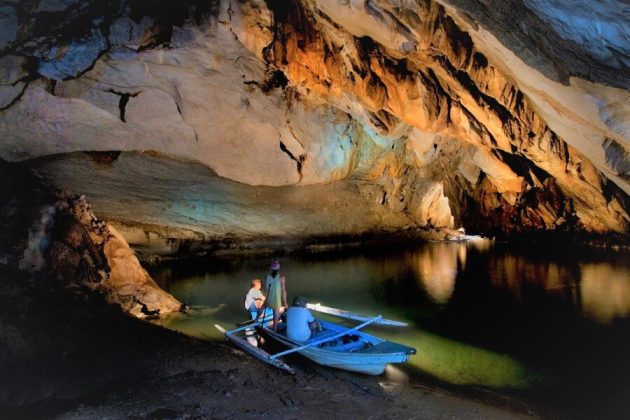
327 339
249 323
252 321
264 308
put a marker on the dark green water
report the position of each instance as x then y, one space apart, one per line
552 323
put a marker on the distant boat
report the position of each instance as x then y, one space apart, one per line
336 346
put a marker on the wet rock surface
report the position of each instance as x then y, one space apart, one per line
561 40
215 215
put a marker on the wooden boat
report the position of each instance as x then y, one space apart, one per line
336 346
355 351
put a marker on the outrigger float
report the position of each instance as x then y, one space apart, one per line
336 346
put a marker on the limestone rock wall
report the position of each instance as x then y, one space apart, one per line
580 38
60 235
88 252
424 104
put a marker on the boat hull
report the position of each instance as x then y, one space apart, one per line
372 362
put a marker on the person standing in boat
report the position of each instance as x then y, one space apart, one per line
275 284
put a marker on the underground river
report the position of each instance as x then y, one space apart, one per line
547 325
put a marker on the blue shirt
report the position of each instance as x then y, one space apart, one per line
297 323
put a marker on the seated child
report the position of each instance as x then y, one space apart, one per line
255 299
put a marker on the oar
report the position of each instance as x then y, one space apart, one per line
327 339
264 308
249 324
253 321
351 315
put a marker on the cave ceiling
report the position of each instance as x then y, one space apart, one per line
493 115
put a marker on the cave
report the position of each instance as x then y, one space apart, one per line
462 166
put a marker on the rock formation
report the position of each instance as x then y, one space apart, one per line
213 214
446 113
59 234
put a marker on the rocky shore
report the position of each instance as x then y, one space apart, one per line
54 233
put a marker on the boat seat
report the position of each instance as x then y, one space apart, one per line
389 347
353 345
321 335
337 344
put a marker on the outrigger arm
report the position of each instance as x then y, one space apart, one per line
258 353
352 315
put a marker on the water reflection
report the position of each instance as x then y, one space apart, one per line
436 268
605 292
519 275
599 291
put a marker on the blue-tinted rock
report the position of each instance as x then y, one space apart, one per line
617 157
11 72
125 31
63 62
11 69
8 25
8 93
55 5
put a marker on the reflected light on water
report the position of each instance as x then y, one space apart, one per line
600 291
436 268
479 244
605 292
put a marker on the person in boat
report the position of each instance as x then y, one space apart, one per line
275 284
300 322
255 299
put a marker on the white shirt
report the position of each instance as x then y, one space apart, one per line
297 323
251 297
